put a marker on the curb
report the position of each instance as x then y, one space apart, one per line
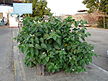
17 65
105 71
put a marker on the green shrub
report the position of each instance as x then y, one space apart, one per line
55 43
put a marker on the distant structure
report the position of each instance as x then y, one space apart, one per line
10 2
6 8
82 10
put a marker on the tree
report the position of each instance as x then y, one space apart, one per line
39 7
101 6
97 5
104 6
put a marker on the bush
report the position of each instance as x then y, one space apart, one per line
57 44
102 23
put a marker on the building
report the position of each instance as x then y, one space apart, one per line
6 9
10 2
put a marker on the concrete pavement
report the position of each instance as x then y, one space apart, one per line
99 38
6 57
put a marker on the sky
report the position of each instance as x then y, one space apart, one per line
62 7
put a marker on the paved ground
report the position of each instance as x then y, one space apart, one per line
6 69
99 38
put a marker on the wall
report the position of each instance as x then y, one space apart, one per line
91 18
7 10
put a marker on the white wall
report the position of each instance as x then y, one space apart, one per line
13 21
8 10
5 10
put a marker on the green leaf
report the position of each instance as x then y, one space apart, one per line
30 45
42 40
76 24
37 46
56 46
43 46
36 40
47 59
59 41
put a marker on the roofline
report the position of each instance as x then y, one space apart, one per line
11 3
